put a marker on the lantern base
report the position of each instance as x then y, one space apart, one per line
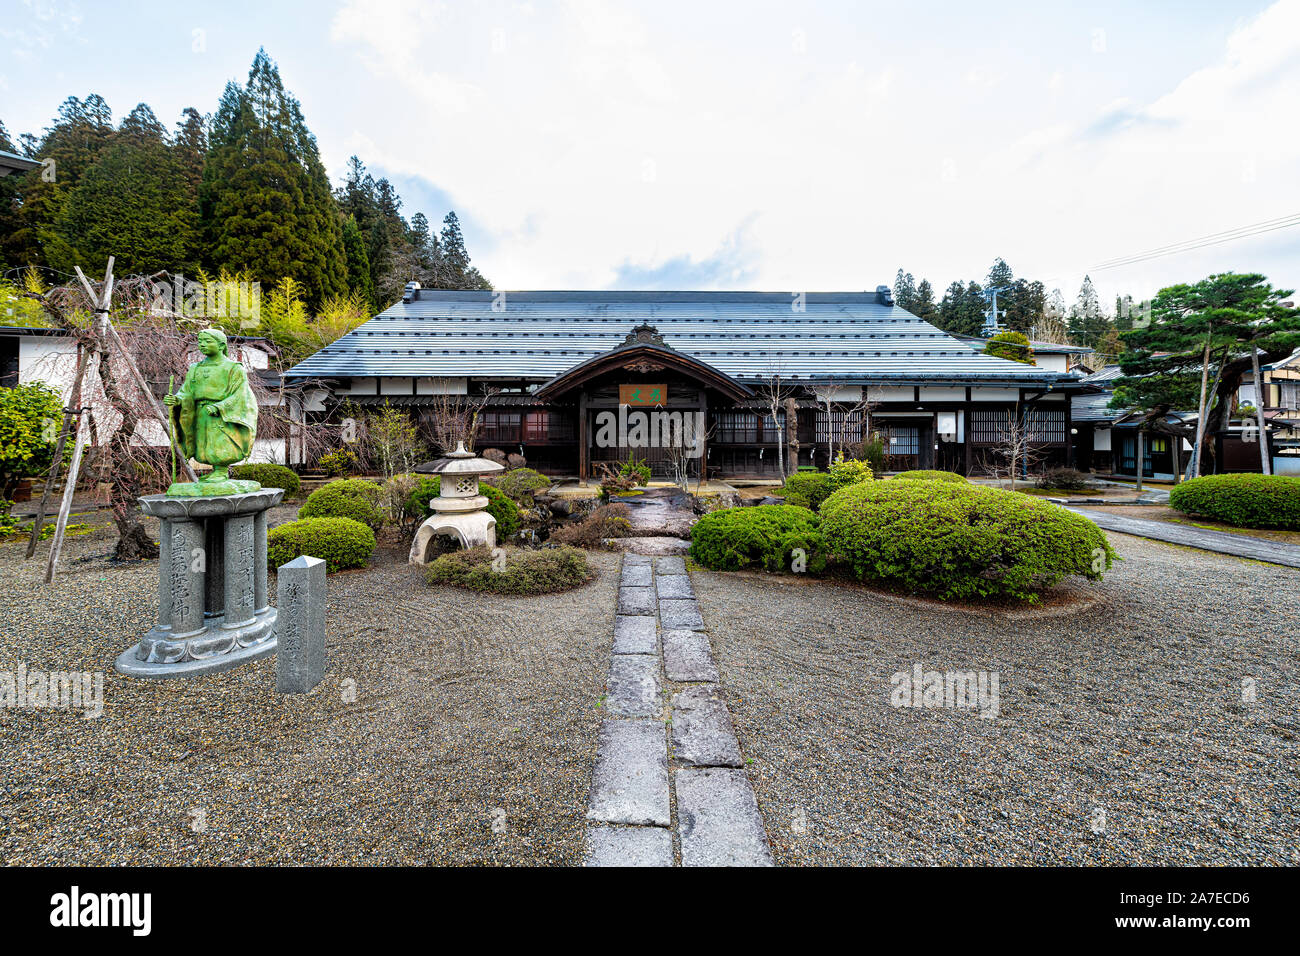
469 529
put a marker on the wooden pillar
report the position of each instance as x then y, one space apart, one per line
582 436
704 442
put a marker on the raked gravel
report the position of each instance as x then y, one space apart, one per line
1123 715
470 740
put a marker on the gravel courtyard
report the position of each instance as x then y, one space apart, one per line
470 739
1124 715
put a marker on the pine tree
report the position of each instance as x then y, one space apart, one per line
359 282
1087 322
266 201
923 307
455 260
133 203
904 290
1000 274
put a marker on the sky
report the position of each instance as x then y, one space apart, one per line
752 145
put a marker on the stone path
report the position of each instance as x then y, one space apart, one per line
650 752
1240 545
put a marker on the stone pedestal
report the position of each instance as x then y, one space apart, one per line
213 611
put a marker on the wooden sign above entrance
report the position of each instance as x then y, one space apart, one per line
643 395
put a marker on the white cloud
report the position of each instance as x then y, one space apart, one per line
601 135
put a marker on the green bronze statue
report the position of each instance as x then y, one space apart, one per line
214 419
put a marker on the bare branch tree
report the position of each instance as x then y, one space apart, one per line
454 418
775 391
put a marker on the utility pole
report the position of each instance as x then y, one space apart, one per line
991 317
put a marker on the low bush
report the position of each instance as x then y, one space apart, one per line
958 540
763 536
847 471
353 498
637 469
339 542
341 461
516 572
1066 479
270 476
923 474
806 489
520 483
605 521
1248 501
499 505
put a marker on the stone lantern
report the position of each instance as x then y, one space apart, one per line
459 510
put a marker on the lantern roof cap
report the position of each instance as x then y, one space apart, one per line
460 462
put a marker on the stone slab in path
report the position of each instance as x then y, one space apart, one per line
646 547
629 783
628 846
634 635
673 586
632 560
636 600
687 656
701 729
718 820
634 686
673 565
636 576
684 615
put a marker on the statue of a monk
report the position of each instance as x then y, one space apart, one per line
214 415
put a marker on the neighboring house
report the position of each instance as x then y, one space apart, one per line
1047 355
1281 407
13 163
1106 439
50 356
548 365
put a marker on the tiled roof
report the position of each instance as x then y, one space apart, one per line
838 336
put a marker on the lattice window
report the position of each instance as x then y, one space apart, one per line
467 485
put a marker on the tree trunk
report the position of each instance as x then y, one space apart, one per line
1200 411
1266 464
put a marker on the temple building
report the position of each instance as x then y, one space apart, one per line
550 370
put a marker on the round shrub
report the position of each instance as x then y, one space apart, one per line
923 474
499 505
847 471
1248 501
762 536
339 542
807 489
270 476
520 572
958 540
353 498
520 483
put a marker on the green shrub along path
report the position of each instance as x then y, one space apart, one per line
958 540
1247 501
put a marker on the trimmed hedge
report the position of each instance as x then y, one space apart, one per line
270 476
353 498
922 474
339 542
520 483
522 572
499 504
1248 501
762 536
958 540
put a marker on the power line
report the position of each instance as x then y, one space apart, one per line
1213 235
1189 245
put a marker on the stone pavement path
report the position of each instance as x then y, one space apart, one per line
650 752
1240 545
